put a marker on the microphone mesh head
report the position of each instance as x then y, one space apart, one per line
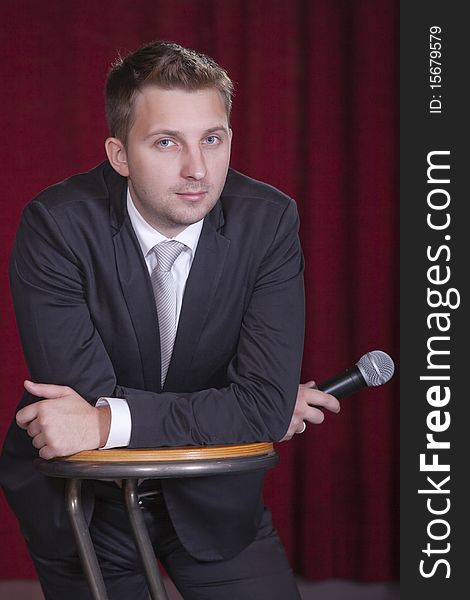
376 367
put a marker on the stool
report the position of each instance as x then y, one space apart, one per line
130 466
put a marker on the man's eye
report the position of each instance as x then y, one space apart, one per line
165 143
212 140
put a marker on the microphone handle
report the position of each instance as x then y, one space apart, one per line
345 383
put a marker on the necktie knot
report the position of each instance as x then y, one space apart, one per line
167 253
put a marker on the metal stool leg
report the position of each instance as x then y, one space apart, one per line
142 540
84 544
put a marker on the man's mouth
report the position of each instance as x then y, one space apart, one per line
192 195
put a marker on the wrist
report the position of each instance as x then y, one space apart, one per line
104 424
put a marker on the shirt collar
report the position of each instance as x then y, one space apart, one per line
148 237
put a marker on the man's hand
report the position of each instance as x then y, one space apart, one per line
308 399
63 423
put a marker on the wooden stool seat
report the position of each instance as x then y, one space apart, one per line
130 465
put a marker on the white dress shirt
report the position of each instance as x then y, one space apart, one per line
148 237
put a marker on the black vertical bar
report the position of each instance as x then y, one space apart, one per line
435 409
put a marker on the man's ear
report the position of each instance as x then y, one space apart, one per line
117 155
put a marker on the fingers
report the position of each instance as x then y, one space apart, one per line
26 415
35 432
47 453
314 397
309 407
298 423
309 384
314 415
289 434
46 390
43 390
34 428
45 450
39 441
328 402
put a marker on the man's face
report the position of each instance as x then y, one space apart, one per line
177 155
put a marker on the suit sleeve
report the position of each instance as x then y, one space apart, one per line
263 376
60 342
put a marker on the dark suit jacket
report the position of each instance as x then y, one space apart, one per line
87 319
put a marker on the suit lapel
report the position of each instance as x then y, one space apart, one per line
200 290
137 290
135 284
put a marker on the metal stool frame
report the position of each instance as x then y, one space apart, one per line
130 466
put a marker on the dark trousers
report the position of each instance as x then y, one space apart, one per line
259 572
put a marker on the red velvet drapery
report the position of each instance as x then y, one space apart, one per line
315 114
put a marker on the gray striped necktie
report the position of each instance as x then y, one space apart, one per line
164 290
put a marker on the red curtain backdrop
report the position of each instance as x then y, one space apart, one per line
315 114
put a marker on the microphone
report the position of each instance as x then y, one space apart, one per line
372 369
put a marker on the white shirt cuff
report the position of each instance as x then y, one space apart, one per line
121 422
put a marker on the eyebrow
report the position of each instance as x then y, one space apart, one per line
175 133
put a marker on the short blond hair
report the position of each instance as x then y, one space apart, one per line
164 64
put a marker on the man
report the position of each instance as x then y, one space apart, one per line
160 296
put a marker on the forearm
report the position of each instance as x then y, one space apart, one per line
208 417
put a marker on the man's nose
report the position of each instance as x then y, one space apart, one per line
194 165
